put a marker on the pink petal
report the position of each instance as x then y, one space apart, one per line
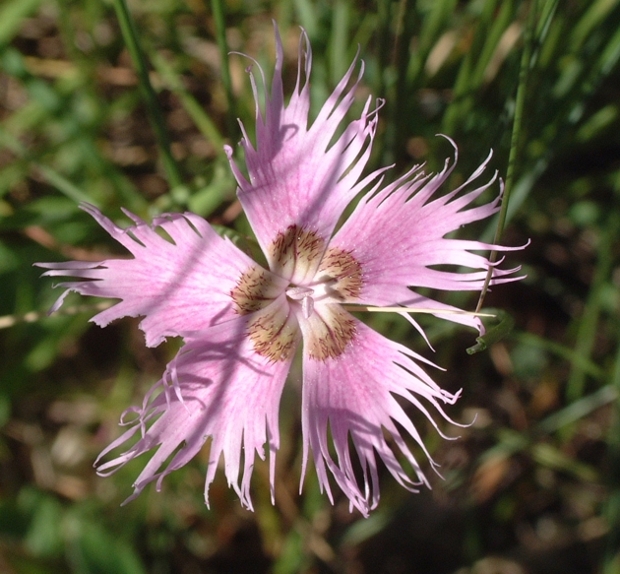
351 398
216 388
179 284
299 174
398 235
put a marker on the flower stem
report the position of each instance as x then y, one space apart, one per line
526 59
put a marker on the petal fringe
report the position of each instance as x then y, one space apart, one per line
180 283
398 232
219 389
351 399
300 174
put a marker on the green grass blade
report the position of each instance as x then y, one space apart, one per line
11 15
611 512
202 120
154 110
218 8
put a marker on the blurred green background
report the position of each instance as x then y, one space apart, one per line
532 486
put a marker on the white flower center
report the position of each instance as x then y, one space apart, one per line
306 284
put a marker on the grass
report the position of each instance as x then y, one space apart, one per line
129 105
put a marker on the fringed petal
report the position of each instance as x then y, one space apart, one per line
241 324
299 174
398 236
179 283
350 399
218 388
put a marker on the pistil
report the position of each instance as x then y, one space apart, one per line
305 295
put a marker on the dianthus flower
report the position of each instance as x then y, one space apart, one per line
242 323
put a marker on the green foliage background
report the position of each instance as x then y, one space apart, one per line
129 105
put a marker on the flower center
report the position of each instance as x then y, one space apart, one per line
341 273
255 289
305 295
295 254
328 332
303 289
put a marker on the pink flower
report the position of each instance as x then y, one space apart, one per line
242 323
